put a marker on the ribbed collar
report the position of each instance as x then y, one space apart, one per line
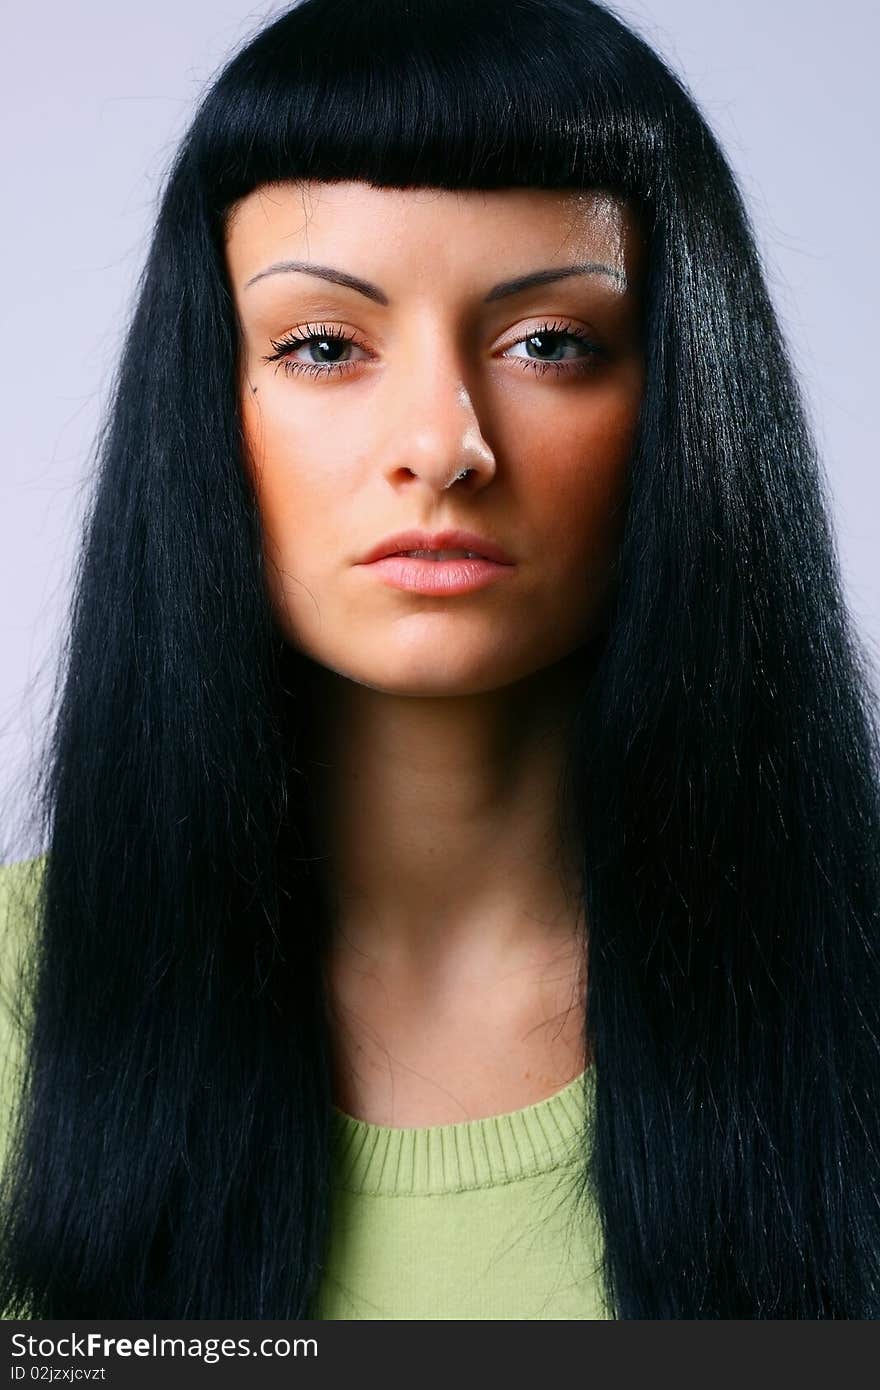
381 1160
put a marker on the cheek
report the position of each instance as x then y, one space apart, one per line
581 489
282 496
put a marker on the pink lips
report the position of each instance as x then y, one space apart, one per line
440 540
438 578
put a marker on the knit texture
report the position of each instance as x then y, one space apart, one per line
474 1220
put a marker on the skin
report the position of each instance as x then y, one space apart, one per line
453 969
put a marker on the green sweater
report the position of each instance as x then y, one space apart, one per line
467 1220
458 1221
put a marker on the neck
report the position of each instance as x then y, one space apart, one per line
439 824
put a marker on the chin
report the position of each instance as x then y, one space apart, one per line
428 678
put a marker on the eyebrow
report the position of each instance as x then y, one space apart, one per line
499 291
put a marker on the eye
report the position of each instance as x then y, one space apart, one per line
549 338
321 339
335 350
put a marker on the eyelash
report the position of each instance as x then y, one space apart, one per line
322 332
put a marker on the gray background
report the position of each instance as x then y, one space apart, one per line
95 98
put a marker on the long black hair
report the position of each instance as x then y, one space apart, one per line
172 1154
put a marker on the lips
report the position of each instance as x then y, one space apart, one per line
441 579
405 541
442 555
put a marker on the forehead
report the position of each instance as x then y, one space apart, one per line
433 230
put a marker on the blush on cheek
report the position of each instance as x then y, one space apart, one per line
585 504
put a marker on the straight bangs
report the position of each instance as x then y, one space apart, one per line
408 97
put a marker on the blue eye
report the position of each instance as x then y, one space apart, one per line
325 339
552 335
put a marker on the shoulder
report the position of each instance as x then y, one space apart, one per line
19 894
17 876
19 891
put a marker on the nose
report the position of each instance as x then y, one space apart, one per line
432 431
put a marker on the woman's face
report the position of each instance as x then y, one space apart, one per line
364 394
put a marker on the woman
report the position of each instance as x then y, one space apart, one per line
543 893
